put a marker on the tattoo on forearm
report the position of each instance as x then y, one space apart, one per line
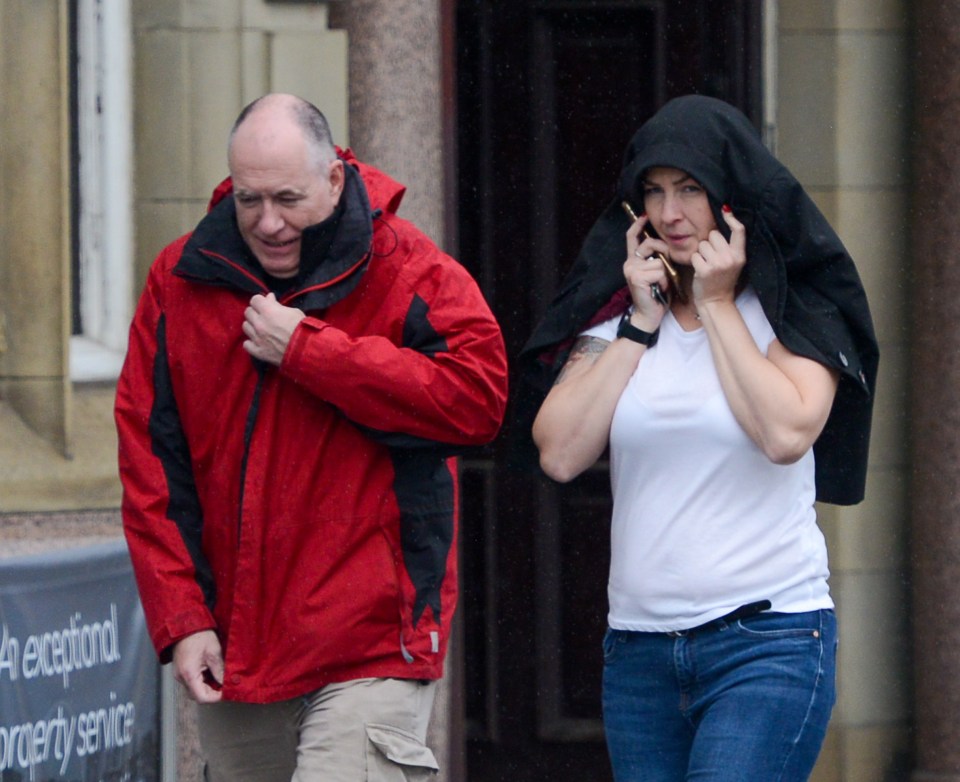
585 348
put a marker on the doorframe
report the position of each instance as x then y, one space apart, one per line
456 657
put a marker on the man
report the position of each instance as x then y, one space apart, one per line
302 369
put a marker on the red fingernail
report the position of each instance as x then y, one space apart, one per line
726 208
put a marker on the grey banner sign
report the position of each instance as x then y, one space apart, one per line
79 681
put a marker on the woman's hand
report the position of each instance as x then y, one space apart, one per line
718 263
572 429
642 270
780 399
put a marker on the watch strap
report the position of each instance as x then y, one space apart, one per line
628 331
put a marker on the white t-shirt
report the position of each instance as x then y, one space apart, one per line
703 522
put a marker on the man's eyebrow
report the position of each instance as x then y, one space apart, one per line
242 192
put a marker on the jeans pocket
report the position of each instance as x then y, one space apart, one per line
612 641
393 755
771 625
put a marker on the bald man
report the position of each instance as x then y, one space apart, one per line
303 370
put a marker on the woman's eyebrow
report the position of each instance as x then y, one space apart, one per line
680 181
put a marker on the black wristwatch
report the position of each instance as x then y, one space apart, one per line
629 331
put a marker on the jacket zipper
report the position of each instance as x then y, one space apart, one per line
247 437
261 367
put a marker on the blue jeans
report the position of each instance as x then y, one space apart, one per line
744 701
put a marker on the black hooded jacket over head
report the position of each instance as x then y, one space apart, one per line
803 275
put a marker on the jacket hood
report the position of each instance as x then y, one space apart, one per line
804 277
334 253
795 259
710 140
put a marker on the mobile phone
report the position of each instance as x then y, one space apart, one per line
629 210
667 266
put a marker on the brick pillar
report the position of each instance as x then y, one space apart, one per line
935 380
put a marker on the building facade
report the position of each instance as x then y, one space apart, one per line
114 116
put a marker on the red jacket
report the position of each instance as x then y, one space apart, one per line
307 512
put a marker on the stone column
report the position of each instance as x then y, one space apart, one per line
396 116
397 124
935 381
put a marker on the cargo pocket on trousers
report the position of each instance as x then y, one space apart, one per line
394 755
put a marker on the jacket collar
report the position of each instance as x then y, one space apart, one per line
334 253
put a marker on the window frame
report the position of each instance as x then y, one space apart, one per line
103 219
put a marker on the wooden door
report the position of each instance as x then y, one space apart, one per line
549 92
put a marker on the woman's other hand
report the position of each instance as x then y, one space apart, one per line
781 400
718 263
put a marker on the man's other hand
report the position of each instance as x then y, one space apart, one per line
198 666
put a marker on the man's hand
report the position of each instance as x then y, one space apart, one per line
198 666
268 326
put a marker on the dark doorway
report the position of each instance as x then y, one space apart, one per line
549 93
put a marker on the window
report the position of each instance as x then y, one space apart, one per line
103 214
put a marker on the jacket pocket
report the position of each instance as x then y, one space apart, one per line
393 755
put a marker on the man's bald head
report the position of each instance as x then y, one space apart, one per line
272 109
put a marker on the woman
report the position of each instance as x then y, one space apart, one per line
729 405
